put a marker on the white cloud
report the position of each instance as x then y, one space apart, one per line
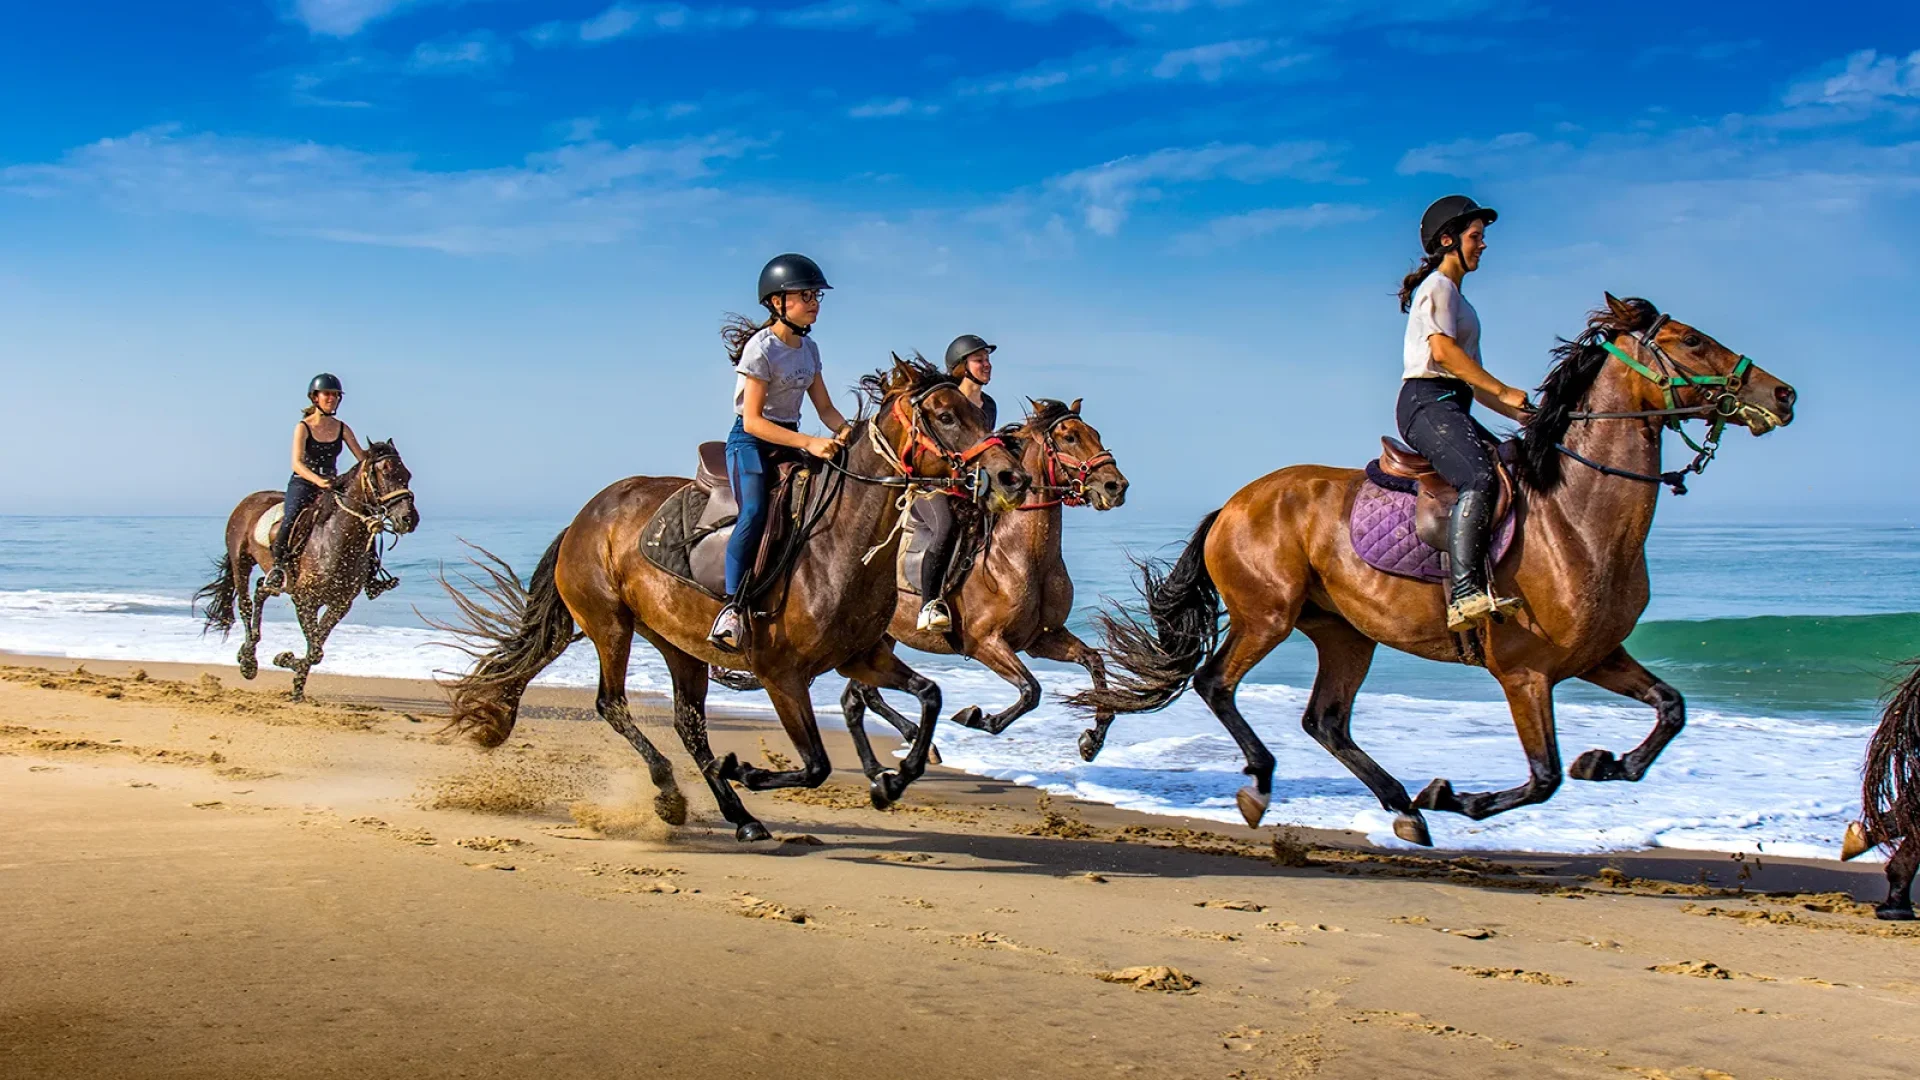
1209 62
1225 232
1463 157
591 192
1866 78
466 54
627 20
343 18
888 18
1107 192
883 107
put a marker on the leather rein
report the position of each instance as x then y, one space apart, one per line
918 442
379 518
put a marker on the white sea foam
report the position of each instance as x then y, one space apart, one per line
1728 783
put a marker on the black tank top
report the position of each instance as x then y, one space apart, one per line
322 457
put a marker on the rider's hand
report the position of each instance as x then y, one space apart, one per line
325 484
1515 399
823 448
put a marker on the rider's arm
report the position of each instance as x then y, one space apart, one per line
300 469
1489 391
823 405
353 443
753 400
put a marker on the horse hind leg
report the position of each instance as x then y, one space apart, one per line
1900 869
1218 681
690 677
1623 675
854 702
242 570
1346 655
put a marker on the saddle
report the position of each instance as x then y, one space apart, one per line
263 529
1398 522
687 536
916 544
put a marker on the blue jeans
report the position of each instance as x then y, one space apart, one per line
749 469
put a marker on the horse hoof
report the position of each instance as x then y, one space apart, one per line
1855 843
725 769
285 660
670 806
1091 743
885 790
1253 805
1412 828
1437 796
752 832
249 668
970 717
1894 914
1595 765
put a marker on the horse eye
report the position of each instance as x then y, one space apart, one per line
1069 437
945 418
1691 341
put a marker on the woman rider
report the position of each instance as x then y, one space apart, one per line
778 366
317 440
1443 375
970 360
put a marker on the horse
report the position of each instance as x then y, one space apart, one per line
831 610
1890 796
1017 596
1278 555
328 572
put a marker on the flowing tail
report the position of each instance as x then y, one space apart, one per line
1159 653
1890 793
513 633
215 598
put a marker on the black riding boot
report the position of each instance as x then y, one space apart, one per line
1469 531
277 577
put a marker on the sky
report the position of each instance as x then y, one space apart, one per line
513 228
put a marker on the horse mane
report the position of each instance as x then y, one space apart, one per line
1577 364
909 376
1048 412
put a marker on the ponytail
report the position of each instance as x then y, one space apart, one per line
1422 270
309 411
736 330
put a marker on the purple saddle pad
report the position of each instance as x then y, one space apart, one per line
1381 527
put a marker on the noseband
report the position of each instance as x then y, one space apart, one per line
378 518
921 440
1074 491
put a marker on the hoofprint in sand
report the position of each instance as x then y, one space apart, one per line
206 881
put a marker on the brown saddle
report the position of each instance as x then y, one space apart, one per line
1434 502
688 535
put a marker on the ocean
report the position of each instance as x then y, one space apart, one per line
1781 637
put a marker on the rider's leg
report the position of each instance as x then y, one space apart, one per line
1434 419
747 472
936 516
300 494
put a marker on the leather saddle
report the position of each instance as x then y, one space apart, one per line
269 523
1435 497
688 535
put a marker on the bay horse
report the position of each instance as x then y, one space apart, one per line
1890 796
371 498
1279 556
832 613
1017 596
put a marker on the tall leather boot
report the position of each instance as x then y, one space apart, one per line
1469 531
277 577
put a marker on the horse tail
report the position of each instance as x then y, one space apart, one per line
1890 792
1159 649
215 598
513 632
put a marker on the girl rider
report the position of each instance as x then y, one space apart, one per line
778 365
317 440
1443 375
970 360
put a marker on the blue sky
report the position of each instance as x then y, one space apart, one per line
513 227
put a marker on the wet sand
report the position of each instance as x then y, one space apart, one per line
202 880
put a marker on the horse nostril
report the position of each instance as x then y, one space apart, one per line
1784 395
1007 479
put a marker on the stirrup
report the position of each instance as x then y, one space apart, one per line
934 617
276 579
725 634
1470 611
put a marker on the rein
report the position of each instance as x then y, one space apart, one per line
1074 492
378 520
1671 378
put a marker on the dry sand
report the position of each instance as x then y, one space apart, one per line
200 880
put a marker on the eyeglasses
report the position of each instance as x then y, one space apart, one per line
810 296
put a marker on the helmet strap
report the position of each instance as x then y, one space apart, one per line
780 313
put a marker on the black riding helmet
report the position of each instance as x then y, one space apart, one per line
323 382
1449 216
790 273
964 346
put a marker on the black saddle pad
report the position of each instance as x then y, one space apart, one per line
669 539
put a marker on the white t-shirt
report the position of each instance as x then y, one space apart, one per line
1438 308
788 372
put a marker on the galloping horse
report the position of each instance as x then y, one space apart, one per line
1017 596
833 613
1280 557
1890 796
329 571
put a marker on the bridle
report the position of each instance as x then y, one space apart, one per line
921 440
1673 377
1074 491
379 513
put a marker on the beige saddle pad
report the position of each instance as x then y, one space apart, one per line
269 521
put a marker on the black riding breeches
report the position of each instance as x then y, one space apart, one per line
935 515
301 493
1435 419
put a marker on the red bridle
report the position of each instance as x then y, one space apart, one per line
920 441
1075 492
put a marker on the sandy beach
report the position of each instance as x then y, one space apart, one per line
203 880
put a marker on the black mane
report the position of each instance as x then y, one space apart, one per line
1577 364
912 375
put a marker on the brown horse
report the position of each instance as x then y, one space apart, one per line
1890 796
1279 556
829 614
1017 596
367 500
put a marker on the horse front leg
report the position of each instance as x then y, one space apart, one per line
1530 696
1623 675
998 657
1899 902
1061 644
315 625
882 670
788 692
853 709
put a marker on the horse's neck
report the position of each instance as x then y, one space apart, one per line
861 517
1611 515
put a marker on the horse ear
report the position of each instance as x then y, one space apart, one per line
1622 310
1075 407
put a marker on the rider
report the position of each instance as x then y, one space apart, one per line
778 365
970 360
1443 375
317 440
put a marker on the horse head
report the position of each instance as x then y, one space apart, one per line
1067 451
384 483
1687 368
933 431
